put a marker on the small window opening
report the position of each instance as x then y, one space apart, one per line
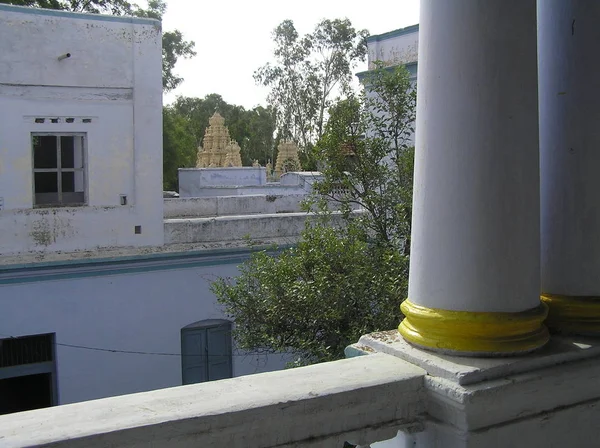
86 120
40 120
55 120
70 120
137 230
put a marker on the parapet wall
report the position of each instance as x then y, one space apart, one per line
232 205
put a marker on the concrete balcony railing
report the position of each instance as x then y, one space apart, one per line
390 392
359 400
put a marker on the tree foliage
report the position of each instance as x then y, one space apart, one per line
339 282
179 147
315 299
367 153
174 46
306 73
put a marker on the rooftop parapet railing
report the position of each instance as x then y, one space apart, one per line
360 400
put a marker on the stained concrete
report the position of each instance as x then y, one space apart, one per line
323 405
469 370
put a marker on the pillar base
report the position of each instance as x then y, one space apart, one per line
474 333
573 314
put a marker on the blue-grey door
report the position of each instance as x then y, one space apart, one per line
206 351
219 353
193 352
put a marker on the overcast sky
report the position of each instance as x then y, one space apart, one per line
233 38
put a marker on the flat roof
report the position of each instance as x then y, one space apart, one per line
394 33
77 15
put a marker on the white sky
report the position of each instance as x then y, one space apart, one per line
233 38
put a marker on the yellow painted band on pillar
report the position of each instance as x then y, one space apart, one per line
573 314
474 333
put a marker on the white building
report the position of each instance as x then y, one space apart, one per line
395 47
92 303
80 131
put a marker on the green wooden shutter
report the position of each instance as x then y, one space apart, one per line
219 352
194 368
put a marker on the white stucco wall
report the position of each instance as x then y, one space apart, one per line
193 180
395 47
195 183
232 205
113 77
133 312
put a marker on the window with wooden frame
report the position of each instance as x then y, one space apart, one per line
59 169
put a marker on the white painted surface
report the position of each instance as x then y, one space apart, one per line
395 47
193 183
113 77
569 142
302 178
232 205
229 228
273 188
362 399
475 237
553 401
132 312
470 370
191 180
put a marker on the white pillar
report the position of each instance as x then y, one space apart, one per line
474 270
569 89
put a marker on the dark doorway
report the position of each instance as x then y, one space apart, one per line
24 393
27 373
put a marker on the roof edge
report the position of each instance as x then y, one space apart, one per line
395 33
77 15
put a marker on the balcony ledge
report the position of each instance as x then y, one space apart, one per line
362 400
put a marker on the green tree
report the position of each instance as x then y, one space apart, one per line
339 282
174 46
306 73
367 153
179 148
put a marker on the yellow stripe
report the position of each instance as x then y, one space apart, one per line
573 314
474 333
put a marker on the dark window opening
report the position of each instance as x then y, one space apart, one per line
45 149
59 169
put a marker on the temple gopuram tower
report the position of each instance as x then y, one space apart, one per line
218 149
287 158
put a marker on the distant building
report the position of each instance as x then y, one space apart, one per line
398 47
